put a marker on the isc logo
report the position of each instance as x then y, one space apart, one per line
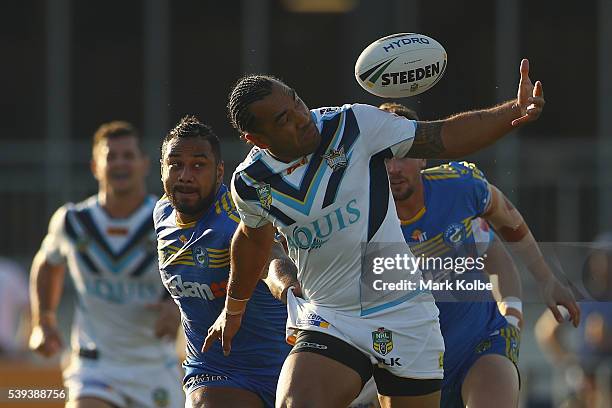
405 41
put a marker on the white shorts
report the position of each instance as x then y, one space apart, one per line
404 339
125 384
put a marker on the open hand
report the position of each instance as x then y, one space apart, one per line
530 98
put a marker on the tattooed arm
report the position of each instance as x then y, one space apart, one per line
469 132
464 133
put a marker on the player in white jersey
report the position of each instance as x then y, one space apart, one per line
123 330
319 177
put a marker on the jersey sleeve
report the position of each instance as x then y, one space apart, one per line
245 198
52 245
477 185
381 130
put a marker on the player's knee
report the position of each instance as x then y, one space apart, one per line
197 399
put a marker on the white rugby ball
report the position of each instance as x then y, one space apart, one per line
401 65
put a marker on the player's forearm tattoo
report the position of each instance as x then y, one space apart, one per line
427 142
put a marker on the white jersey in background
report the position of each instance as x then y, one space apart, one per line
113 264
329 203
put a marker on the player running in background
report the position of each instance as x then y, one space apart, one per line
437 208
124 327
195 221
319 177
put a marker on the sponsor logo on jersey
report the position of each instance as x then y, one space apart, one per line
312 319
296 166
120 291
318 232
200 256
336 159
382 341
160 397
264 193
454 235
178 288
117 231
418 235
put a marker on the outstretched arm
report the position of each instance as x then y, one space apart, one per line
469 132
250 250
509 224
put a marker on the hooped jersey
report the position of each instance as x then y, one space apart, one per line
112 262
455 195
332 203
194 263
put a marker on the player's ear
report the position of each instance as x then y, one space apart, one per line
220 171
93 166
423 164
257 139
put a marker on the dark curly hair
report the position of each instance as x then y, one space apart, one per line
190 126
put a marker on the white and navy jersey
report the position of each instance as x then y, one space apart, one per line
330 202
113 264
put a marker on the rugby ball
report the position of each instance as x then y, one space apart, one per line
401 65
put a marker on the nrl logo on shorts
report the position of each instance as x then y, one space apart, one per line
336 159
264 193
382 341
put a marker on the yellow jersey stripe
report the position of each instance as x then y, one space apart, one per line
415 218
183 263
225 204
217 251
442 177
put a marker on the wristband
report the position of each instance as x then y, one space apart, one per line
511 308
235 307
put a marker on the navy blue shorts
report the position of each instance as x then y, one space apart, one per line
261 383
505 342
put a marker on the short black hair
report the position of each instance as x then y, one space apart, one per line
190 126
248 89
399 109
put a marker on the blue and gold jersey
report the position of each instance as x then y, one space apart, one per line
454 195
194 263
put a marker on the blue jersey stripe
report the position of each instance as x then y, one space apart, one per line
379 192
